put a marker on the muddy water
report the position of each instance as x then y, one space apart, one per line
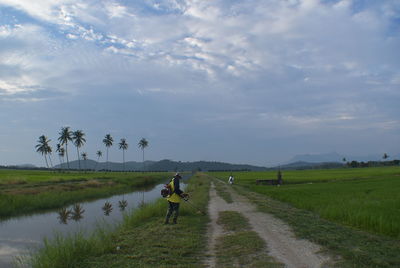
19 236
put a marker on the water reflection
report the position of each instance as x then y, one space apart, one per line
107 208
142 203
63 215
122 204
77 212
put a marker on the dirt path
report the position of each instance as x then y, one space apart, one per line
280 240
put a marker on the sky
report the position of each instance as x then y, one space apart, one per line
239 81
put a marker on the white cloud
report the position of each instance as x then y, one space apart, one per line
115 10
302 65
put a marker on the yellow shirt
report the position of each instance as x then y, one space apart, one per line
174 198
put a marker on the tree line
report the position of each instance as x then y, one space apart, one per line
385 162
77 138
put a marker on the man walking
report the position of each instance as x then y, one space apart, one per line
231 179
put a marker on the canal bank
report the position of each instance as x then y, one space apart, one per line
141 240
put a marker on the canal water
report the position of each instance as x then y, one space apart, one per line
22 235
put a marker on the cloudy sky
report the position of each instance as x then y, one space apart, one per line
240 81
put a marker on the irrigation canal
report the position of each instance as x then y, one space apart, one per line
21 235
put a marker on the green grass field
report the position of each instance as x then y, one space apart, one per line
365 198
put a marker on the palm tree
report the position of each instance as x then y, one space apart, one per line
49 150
385 156
99 154
58 150
65 136
43 147
79 140
61 153
84 157
108 142
124 146
143 143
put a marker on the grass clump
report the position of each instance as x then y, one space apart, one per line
241 247
220 187
71 251
233 221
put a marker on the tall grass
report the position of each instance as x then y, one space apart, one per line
70 251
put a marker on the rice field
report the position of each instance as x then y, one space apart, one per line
365 198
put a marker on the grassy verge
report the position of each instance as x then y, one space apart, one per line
356 248
141 241
19 199
220 187
241 247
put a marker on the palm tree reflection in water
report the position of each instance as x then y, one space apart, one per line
107 208
122 204
77 212
64 215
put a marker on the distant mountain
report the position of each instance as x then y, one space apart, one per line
91 164
201 165
308 165
26 166
163 165
316 158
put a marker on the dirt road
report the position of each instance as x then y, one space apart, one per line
281 242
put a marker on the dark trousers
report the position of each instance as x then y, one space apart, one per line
173 208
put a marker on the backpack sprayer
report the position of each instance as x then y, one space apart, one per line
167 191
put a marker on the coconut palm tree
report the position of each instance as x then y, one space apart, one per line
49 151
143 143
61 153
99 154
123 146
79 140
65 136
58 150
108 142
84 157
43 147
385 156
